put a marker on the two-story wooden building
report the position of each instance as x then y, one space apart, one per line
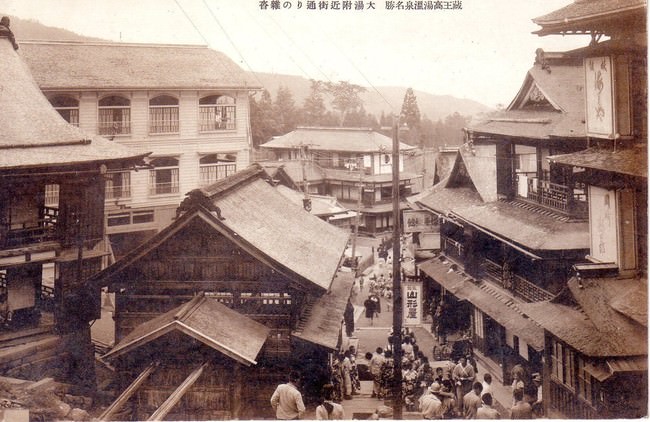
48 249
187 104
352 162
596 363
243 284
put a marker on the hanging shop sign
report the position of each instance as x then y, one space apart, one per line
420 222
412 304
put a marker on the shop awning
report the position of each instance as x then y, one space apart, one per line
489 299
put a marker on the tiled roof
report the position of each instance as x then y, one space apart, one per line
336 139
96 66
208 321
630 161
443 200
33 133
321 205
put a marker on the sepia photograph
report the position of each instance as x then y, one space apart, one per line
323 209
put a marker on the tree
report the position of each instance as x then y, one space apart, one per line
410 115
263 124
313 109
284 109
345 97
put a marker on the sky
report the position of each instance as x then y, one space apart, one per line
480 51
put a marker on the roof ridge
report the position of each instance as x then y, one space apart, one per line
189 307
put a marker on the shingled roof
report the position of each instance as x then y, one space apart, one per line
33 133
206 320
586 15
93 65
629 161
562 87
336 139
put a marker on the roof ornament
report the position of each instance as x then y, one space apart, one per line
6 32
540 59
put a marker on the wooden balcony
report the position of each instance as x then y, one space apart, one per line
37 231
558 197
518 285
452 248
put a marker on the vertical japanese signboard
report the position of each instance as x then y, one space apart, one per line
599 90
412 306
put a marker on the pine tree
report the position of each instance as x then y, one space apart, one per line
313 109
345 97
410 115
263 124
285 112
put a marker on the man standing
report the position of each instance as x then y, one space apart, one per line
521 409
472 401
287 400
429 404
486 411
376 364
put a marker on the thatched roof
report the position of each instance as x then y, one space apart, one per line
105 65
206 320
33 133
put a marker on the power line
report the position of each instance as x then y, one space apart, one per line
191 22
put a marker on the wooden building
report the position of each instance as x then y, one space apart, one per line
596 331
188 104
48 246
336 161
265 269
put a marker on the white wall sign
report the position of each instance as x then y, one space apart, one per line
599 76
412 303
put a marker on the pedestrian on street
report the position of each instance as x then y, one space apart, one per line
375 366
369 305
487 384
328 409
287 399
464 376
346 367
348 318
429 404
521 409
486 411
472 401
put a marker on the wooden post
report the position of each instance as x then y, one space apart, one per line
397 285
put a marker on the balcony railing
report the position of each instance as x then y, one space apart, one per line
518 285
452 248
569 405
164 188
559 197
41 230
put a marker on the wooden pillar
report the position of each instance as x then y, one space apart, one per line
236 391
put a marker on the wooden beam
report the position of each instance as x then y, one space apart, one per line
128 392
176 396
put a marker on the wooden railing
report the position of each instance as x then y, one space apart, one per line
560 197
452 248
518 285
41 230
568 404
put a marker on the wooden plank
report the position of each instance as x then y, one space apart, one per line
175 397
128 392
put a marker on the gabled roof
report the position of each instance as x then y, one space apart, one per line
549 104
34 134
206 320
322 324
255 216
442 199
293 170
336 139
91 65
596 328
587 15
629 161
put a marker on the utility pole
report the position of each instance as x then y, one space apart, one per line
358 216
398 401
306 201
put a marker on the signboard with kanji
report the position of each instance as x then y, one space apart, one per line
412 305
420 221
599 77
